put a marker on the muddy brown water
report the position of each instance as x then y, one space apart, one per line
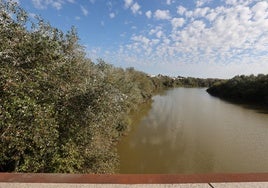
186 131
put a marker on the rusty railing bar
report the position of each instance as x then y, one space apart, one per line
131 178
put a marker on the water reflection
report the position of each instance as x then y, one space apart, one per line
188 131
260 108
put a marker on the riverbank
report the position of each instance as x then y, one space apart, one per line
243 89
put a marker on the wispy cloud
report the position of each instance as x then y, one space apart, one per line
43 4
112 15
38 4
71 1
169 2
84 10
200 3
92 1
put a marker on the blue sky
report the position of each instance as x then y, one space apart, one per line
199 38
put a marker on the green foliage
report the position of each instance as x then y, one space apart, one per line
243 88
167 82
198 82
55 112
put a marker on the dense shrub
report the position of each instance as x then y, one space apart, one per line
243 88
60 112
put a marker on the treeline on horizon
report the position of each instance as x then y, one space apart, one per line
252 89
59 111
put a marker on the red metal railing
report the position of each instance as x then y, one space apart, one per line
131 178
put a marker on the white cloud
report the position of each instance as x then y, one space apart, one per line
38 4
260 10
211 16
177 22
241 2
77 18
148 14
204 41
220 41
155 30
140 38
135 8
112 15
57 4
181 10
169 2
43 4
200 3
189 13
162 14
128 3
201 12
159 34
84 10
231 2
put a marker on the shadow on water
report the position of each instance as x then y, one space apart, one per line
258 107
263 109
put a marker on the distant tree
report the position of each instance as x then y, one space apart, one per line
243 88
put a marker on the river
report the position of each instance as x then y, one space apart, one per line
187 131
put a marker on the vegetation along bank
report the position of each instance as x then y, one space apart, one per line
253 89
